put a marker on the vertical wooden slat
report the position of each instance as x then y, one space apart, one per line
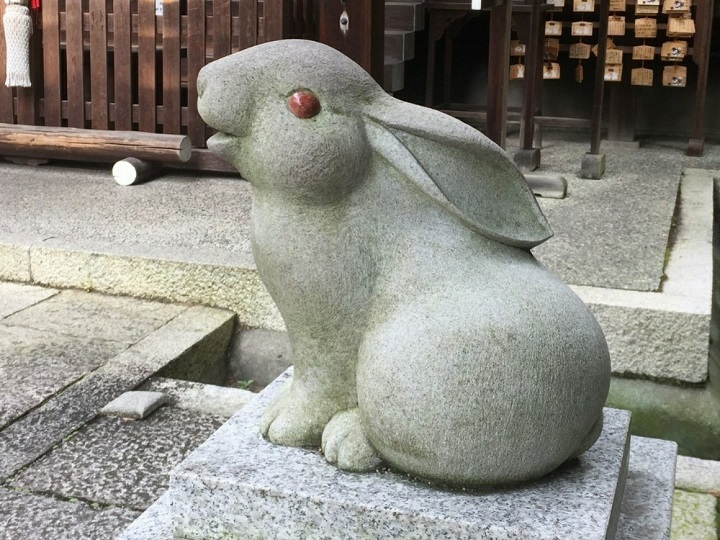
248 23
6 95
146 65
171 66
75 64
275 19
196 60
98 64
122 32
51 62
222 28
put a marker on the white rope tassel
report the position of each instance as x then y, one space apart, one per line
18 28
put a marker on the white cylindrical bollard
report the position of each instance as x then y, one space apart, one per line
18 29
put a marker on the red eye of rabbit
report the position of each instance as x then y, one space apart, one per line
304 104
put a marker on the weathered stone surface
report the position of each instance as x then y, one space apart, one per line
601 239
656 343
210 277
395 241
260 355
135 405
694 516
201 398
648 498
123 463
78 313
34 517
698 475
34 365
16 297
592 166
183 338
237 485
15 255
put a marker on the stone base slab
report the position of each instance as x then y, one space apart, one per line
237 485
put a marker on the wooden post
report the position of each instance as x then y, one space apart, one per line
701 56
364 39
596 119
498 72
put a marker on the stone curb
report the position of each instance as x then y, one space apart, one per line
33 435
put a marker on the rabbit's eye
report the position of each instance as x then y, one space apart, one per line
304 104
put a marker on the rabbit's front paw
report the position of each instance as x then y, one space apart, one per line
344 443
294 422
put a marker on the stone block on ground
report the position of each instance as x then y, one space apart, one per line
695 474
117 462
33 517
135 405
263 490
202 398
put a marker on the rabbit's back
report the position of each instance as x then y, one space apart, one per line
480 386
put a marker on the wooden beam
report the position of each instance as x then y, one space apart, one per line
92 145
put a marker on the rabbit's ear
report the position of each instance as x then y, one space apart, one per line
460 169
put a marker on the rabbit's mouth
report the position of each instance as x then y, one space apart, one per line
223 144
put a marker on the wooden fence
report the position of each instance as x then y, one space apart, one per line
116 65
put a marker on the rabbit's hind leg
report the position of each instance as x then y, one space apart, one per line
345 444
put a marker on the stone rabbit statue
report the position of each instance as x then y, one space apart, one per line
395 242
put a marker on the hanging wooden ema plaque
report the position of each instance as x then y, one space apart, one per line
579 51
674 75
677 6
647 7
553 28
616 25
517 49
584 6
681 26
673 50
613 73
645 27
582 29
641 76
551 70
552 49
618 5
643 52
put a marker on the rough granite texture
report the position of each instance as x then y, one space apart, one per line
694 516
202 398
32 517
121 463
395 240
15 297
35 365
135 404
648 499
666 345
39 430
238 485
698 475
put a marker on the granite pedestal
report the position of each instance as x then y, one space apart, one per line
237 485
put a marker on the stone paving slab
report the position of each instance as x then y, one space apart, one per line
184 337
34 365
119 462
113 318
695 474
32 517
15 297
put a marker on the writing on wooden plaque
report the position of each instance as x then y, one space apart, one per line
580 51
613 56
552 49
641 77
680 26
645 27
584 6
677 6
582 28
616 25
618 5
643 52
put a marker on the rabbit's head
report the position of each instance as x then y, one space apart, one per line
288 116
299 117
